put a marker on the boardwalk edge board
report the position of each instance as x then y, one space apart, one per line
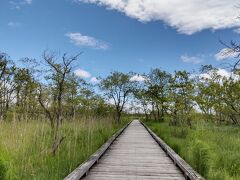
83 169
178 161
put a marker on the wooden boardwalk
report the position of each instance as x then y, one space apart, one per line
134 155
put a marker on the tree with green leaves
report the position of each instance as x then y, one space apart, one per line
182 91
158 83
7 86
26 93
143 99
117 87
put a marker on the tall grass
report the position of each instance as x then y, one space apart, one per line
25 147
213 151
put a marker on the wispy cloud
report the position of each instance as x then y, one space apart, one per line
191 59
237 30
14 24
83 40
187 16
82 73
18 4
225 53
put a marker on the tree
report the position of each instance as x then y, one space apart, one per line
231 98
232 49
7 87
158 83
117 87
142 98
26 93
181 98
72 95
57 77
218 96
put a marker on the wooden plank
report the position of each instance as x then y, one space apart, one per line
185 167
134 155
84 167
129 177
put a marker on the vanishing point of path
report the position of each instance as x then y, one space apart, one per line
134 155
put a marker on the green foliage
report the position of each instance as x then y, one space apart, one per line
180 132
210 149
200 157
3 169
158 84
218 96
117 87
28 147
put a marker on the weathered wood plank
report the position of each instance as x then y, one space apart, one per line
84 168
135 154
129 177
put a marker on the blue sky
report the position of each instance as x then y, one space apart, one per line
120 35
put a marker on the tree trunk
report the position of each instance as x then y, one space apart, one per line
118 117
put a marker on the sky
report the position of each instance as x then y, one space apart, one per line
121 35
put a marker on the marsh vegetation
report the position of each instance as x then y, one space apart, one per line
51 120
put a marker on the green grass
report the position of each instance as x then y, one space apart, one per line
25 147
213 151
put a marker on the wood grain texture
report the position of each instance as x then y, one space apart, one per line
134 153
83 169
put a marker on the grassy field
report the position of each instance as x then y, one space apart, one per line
25 147
214 151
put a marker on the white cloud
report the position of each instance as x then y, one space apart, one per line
14 24
83 40
212 74
226 53
191 59
94 80
221 72
187 16
82 73
137 78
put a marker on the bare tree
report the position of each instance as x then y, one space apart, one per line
59 73
232 49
